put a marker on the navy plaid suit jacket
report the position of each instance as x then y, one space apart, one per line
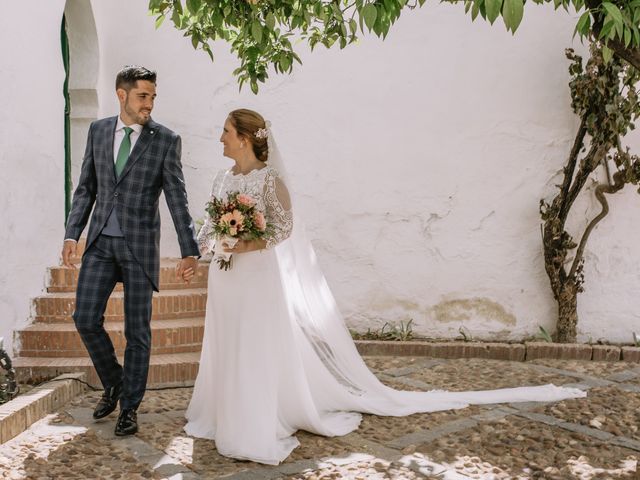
153 166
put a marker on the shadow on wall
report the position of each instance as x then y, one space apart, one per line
83 76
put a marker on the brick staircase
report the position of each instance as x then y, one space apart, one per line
51 345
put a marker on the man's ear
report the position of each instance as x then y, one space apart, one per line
122 94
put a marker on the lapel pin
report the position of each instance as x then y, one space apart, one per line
151 132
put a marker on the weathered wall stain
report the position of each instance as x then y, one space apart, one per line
471 309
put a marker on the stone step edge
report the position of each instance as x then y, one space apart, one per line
489 350
500 351
160 359
119 288
19 414
110 326
117 317
170 369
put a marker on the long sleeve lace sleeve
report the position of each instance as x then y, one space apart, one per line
206 241
205 237
278 209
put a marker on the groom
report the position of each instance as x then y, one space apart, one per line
128 162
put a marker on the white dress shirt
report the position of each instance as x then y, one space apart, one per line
117 139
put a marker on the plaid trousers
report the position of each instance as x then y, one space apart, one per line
107 261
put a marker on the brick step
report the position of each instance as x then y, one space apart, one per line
62 339
167 305
167 369
62 279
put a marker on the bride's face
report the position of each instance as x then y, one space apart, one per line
233 144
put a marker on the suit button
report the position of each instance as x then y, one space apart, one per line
115 194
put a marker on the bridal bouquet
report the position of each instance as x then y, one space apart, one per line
233 219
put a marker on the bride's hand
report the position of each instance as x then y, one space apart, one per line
188 274
244 246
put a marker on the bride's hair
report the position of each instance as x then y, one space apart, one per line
247 123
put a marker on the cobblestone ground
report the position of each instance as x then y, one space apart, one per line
589 438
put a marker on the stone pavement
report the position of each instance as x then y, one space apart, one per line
596 437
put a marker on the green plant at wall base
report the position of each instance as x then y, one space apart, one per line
262 33
543 334
465 334
389 332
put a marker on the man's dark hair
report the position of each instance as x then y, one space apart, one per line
130 74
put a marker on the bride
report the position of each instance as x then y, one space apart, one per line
276 354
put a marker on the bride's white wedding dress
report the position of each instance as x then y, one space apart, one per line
276 355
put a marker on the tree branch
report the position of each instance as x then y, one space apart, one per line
571 165
631 55
600 191
587 166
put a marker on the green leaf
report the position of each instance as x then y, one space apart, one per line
177 19
370 13
481 8
270 21
254 86
467 6
627 37
353 26
582 27
613 12
474 11
193 6
607 54
256 31
608 26
207 48
493 8
512 12
159 20
285 62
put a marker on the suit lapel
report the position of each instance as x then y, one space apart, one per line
148 131
111 135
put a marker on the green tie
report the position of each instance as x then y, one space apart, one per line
123 151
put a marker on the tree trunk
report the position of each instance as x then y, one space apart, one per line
567 313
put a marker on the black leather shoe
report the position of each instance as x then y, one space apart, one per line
108 402
127 423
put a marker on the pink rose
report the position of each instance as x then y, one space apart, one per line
245 200
260 221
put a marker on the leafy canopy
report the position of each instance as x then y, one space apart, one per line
262 33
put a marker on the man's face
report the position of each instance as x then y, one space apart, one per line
137 103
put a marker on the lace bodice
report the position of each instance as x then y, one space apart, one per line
271 195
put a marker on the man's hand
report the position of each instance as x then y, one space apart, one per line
68 251
186 269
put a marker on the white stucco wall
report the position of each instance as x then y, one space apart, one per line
31 155
418 165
